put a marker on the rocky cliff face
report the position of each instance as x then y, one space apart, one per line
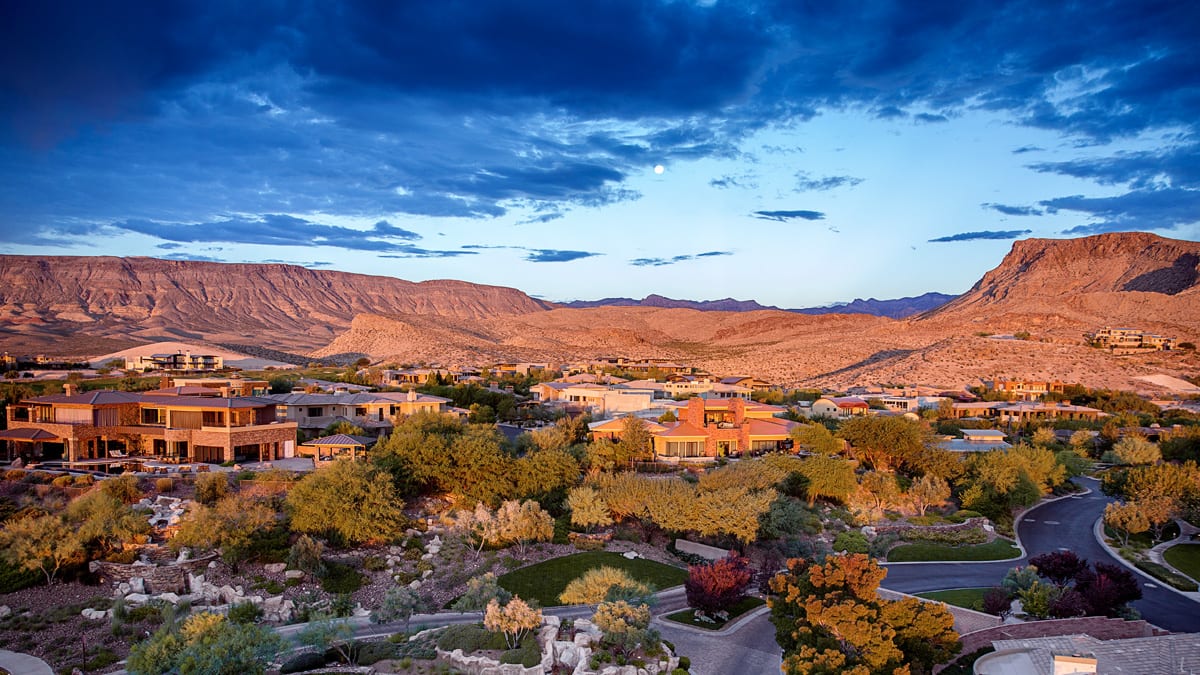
284 304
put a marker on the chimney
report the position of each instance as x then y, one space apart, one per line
412 395
70 389
164 382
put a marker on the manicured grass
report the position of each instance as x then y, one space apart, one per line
1185 558
687 616
970 598
1165 575
999 549
546 580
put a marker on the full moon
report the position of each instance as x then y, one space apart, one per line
659 168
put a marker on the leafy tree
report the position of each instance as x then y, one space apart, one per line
884 443
624 626
349 499
997 601
828 477
1126 518
816 438
1018 579
343 427
878 490
596 584
1133 450
1083 442
928 491
480 591
44 543
440 453
1159 511
104 523
787 517
1060 567
522 522
544 474
1037 599
307 555
1182 444
211 487
828 618
1044 437
515 620
323 633
1107 589
230 525
399 604
205 644
587 508
718 585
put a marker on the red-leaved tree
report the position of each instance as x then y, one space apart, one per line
718 585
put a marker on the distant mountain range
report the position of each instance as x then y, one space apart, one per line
899 308
1052 289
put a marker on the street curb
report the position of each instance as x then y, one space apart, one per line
727 629
1098 533
1016 540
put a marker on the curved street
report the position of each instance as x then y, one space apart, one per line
1062 525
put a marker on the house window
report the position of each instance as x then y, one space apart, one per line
360 411
315 412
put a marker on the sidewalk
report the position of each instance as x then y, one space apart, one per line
1098 532
23 664
1186 530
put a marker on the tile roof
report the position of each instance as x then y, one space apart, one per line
341 440
351 399
26 435
682 430
103 397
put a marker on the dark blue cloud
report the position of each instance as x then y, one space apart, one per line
471 110
192 256
1027 148
805 182
784 216
929 118
276 230
661 262
1150 209
1178 166
1009 210
745 181
987 234
169 246
541 255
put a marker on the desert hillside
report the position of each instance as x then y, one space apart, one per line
284 306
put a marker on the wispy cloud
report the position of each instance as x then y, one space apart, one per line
1010 210
784 216
744 181
929 118
543 255
1027 148
1163 209
805 182
661 262
986 234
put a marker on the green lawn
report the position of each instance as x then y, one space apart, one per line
546 580
999 549
687 616
970 598
1185 558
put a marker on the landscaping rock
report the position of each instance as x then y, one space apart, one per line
630 555
274 568
293 574
95 614
169 597
5 611
427 556
415 585
137 585
137 598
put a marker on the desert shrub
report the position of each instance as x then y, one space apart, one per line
245 612
41 477
947 537
164 485
684 662
211 487
84 480
13 578
370 653
123 487
341 578
881 543
528 654
470 638
305 555
963 515
597 584
304 662
342 605
374 563
851 541
14 475
586 544
1037 599
65 480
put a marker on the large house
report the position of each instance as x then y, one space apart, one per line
838 407
709 428
179 361
1025 390
107 425
597 399
1129 338
1025 411
373 412
225 386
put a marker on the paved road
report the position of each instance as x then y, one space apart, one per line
1062 525
749 650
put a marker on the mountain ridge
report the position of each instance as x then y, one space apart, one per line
897 308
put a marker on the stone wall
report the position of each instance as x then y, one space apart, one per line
906 528
168 578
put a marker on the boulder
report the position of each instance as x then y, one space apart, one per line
426 574
427 556
137 598
229 595
630 555
551 620
274 568
415 585
293 574
169 597
96 614
137 585
5 611
272 604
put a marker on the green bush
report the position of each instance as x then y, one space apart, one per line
14 579
851 541
370 653
470 638
64 480
14 475
374 563
1166 576
304 662
245 612
164 485
527 654
84 480
685 663
341 578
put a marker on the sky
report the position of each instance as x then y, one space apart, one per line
795 153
